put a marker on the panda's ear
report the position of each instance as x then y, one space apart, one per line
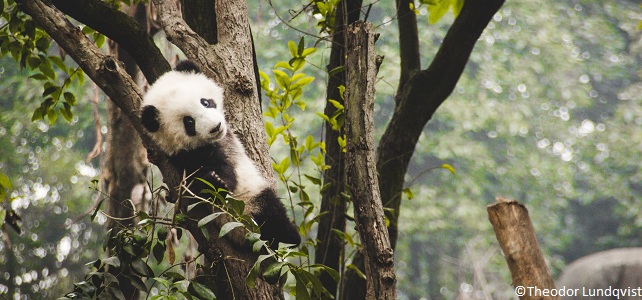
187 66
150 118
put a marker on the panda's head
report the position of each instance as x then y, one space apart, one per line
183 110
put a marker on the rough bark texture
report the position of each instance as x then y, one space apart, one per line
360 163
516 236
330 246
200 15
124 174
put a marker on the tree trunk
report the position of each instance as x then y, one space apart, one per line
360 163
125 170
230 63
516 236
330 246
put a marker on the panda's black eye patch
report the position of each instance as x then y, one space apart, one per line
190 125
208 103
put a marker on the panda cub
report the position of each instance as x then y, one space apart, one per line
183 112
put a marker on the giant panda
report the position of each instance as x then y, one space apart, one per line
183 112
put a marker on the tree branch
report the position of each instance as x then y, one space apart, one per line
419 98
122 29
103 69
409 55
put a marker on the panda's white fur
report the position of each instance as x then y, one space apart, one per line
206 147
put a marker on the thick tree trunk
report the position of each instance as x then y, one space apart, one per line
516 236
330 246
230 63
125 170
360 163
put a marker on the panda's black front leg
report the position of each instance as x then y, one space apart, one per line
272 218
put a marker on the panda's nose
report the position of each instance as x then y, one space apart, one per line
217 128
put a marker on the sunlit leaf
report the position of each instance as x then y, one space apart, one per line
449 168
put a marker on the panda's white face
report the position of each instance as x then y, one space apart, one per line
183 110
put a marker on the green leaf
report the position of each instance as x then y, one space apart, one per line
5 182
356 270
229 227
269 129
308 51
158 251
438 10
52 115
202 222
293 48
201 290
59 63
66 113
137 282
162 233
99 39
141 268
111 261
336 70
301 289
449 168
409 194
273 272
69 98
282 79
336 104
250 280
284 65
46 69
301 46
314 180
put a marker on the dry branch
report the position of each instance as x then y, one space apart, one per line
516 236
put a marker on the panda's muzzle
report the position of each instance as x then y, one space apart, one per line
216 129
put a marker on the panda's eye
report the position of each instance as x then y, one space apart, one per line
208 103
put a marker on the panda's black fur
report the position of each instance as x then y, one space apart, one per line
183 111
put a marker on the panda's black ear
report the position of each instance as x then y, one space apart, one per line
187 66
150 118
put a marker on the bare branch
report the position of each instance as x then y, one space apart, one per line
122 29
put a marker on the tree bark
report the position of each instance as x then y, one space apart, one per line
360 163
330 246
124 174
516 236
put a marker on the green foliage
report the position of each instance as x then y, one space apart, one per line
299 172
26 43
325 11
438 8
